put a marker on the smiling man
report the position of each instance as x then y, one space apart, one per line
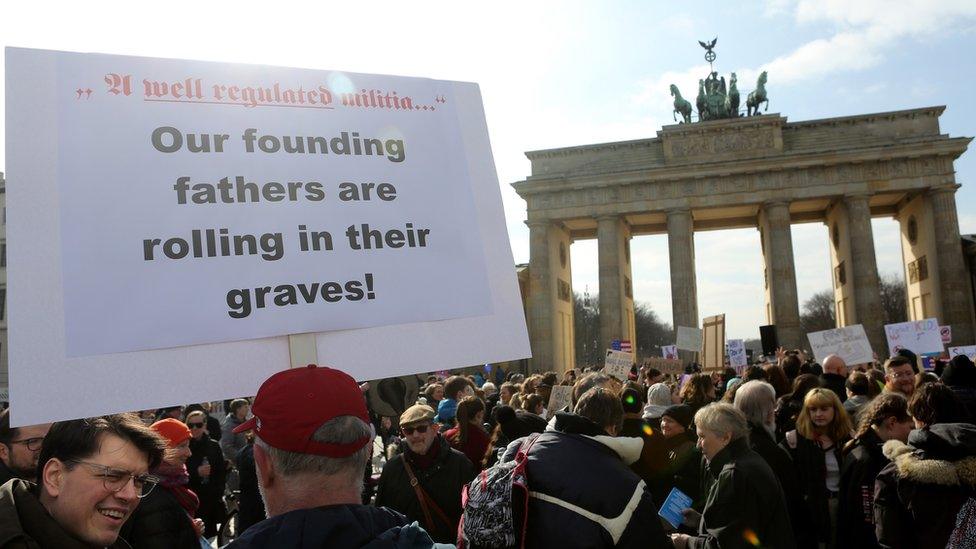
91 474
19 448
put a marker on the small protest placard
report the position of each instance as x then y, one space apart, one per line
676 502
713 344
921 337
968 350
946 333
669 352
560 397
689 339
850 343
618 364
665 365
736 350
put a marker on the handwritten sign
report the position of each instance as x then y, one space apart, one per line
618 364
849 343
669 352
736 351
665 365
560 397
689 339
968 350
921 337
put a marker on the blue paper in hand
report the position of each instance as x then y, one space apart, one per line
676 502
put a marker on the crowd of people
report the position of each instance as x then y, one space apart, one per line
786 453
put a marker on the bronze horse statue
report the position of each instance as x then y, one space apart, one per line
732 100
757 96
700 101
681 105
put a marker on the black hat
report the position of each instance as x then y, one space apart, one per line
518 424
961 372
682 413
631 400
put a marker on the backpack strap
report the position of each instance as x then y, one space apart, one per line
426 502
523 451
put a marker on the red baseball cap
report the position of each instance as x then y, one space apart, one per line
291 405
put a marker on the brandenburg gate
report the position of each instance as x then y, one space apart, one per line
750 171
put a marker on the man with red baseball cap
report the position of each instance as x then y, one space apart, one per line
312 441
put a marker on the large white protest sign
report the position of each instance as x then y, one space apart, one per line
968 350
689 339
181 203
849 342
736 350
618 364
921 337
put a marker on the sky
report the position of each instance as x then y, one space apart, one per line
556 74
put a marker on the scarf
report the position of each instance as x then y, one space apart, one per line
174 479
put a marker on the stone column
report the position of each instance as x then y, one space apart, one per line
781 274
616 297
867 286
681 251
541 294
957 307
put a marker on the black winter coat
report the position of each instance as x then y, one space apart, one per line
681 469
855 515
811 467
159 522
211 492
442 481
745 503
918 495
836 383
577 472
250 506
779 460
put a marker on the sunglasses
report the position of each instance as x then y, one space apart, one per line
410 430
196 425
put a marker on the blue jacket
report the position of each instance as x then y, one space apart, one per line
336 527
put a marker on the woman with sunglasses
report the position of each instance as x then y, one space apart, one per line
208 472
164 518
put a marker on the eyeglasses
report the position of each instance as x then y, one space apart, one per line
115 480
195 425
899 375
32 444
419 428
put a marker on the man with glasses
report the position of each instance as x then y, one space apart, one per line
208 472
899 376
91 475
424 481
19 447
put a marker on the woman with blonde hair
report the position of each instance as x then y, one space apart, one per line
822 429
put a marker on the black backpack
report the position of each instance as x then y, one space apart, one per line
496 504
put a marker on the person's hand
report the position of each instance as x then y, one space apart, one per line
680 541
692 518
780 353
198 526
204 470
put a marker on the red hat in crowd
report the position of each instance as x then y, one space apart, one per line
173 430
291 405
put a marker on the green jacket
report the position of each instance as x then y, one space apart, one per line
26 524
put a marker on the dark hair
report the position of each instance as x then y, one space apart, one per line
694 392
936 403
896 361
588 382
858 384
454 385
530 402
777 378
922 378
79 439
631 400
466 410
753 373
550 378
803 384
237 404
791 366
877 379
602 407
7 433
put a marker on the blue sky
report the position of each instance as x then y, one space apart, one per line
568 73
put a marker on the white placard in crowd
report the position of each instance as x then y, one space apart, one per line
178 206
669 352
968 350
560 397
689 339
618 364
849 342
922 337
736 351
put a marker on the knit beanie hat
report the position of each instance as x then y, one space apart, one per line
518 424
173 430
681 413
960 372
658 400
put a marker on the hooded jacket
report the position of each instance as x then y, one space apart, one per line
345 526
855 515
570 506
918 495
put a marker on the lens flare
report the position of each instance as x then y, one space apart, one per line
751 537
647 430
630 399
